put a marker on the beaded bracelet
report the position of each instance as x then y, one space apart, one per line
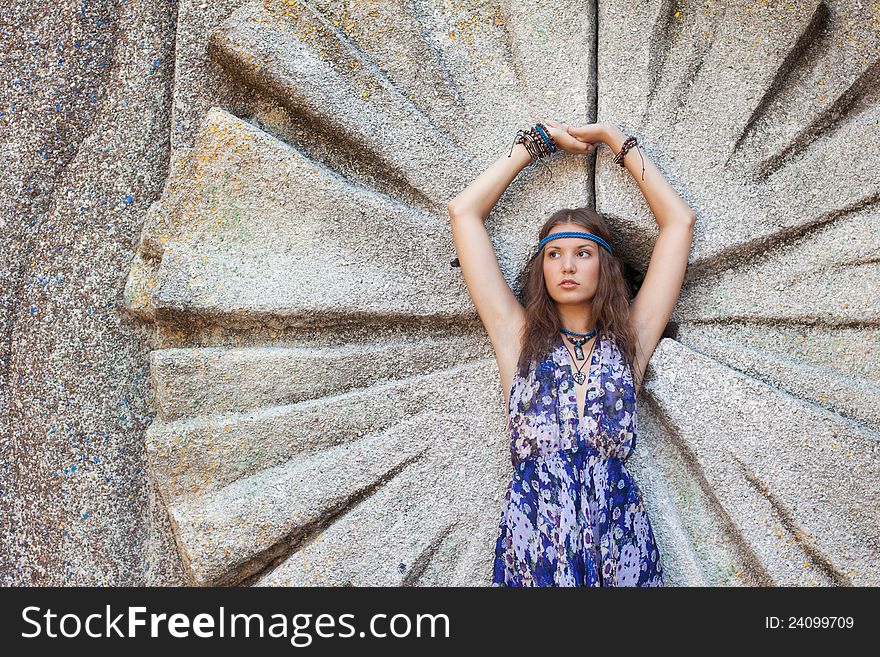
628 143
538 142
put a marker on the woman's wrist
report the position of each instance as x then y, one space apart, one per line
611 133
520 156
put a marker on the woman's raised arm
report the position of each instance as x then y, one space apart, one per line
498 308
659 292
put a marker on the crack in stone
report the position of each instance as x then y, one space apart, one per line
799 534
863 92
807 40
264 562
421 563
744 552
744 252
756 320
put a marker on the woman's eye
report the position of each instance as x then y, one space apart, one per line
587 252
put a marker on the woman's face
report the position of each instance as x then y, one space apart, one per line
571 259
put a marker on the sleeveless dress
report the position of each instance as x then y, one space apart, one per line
573 515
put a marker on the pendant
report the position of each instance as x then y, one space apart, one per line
578 344
579 377
578 348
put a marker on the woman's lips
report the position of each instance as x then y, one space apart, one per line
568 285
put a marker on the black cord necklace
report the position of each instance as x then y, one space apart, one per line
580 377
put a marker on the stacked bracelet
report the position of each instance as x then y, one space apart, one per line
538 142
628 143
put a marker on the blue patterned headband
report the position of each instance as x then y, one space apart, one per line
572 233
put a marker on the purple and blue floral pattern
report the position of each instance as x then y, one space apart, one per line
573 515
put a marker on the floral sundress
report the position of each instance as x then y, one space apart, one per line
573 515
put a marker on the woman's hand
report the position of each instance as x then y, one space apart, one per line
590 133
566 140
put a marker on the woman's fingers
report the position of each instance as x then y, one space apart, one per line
569 138
575 133
585 133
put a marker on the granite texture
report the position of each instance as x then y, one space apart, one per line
85 119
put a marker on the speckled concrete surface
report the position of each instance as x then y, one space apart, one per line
85 117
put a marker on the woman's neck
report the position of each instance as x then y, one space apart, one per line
577 319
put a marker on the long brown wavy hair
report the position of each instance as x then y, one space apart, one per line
610 305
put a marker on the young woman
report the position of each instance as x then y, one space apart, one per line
571 359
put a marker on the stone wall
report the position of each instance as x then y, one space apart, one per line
273 376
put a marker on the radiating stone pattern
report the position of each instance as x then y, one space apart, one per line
328 408
765 404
